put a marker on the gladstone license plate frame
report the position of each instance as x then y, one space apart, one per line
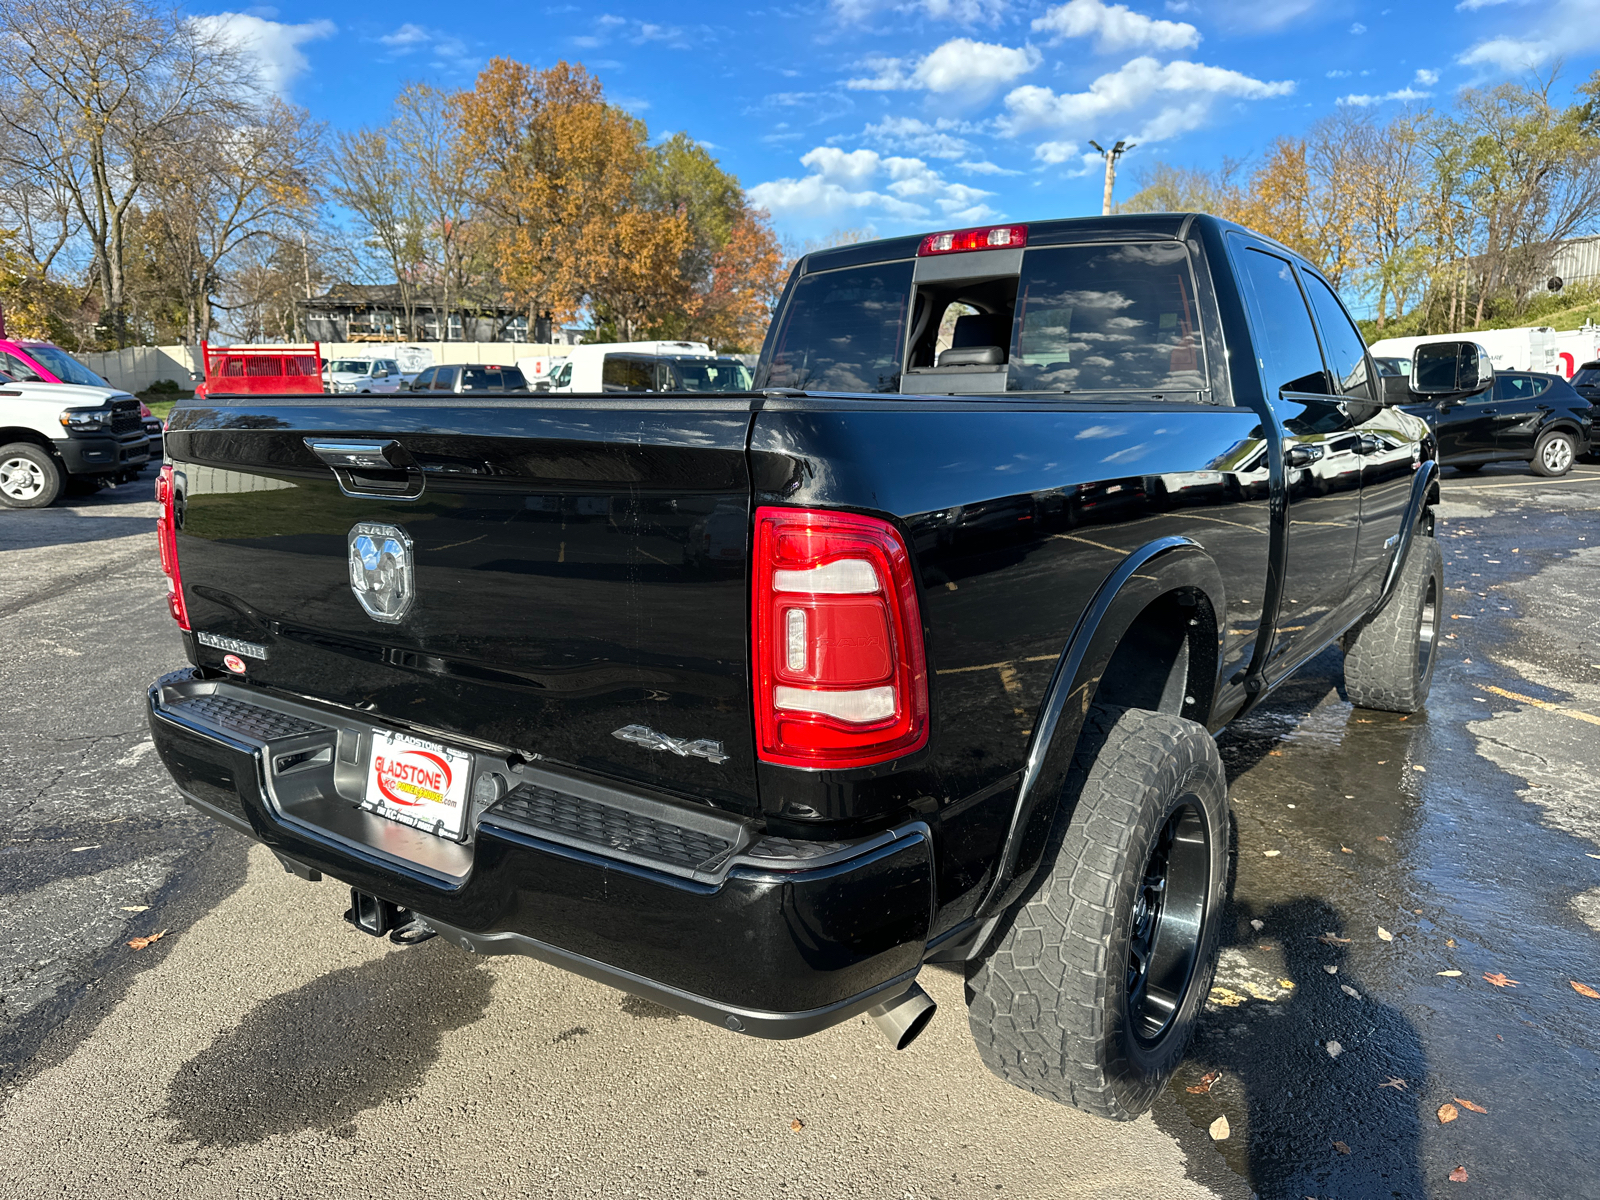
418 783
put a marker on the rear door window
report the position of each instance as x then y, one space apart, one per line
445 380
1106 318
843 331
1286 343
1346 351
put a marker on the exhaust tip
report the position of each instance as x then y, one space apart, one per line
905 1017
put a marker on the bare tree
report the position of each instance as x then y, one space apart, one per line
90 94
224 184
374 181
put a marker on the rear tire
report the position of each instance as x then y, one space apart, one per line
30 477
1389 658
1134 874
1554 453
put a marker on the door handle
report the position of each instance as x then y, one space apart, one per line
377 470
1367 444
1303 456
1491 412
1541 408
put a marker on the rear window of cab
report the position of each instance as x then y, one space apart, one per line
1086 318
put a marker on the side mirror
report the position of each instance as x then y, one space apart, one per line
1443 368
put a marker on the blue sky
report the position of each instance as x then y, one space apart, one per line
905 115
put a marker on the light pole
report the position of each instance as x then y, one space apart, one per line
1111 157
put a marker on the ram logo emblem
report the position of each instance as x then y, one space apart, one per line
382 574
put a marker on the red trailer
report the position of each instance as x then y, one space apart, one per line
261 370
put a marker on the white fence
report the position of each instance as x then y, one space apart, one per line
137 367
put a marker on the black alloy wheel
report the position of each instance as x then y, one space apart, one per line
1168 916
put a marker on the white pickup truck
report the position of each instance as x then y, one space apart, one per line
51 433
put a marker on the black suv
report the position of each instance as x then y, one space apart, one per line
1523 415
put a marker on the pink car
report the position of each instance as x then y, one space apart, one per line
44 362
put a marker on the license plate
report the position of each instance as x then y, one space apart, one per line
419 783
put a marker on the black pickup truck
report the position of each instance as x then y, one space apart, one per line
755 704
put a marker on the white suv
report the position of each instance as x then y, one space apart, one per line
365 375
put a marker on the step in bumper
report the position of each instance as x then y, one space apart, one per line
772 938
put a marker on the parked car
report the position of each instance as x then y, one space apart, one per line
626 366
693 694
1508 416
470 377
29 361
1586 381
53 433
365 375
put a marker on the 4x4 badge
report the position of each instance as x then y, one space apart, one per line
382 574
643 735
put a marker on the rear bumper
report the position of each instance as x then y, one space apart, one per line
777 949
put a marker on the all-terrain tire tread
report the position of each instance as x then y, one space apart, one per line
1039 1003
1380 654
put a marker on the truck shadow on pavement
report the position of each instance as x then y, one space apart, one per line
318 1056
1320 1087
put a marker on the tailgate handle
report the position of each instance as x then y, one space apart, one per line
370 469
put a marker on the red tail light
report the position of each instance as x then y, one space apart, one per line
840 675
990 237
167 540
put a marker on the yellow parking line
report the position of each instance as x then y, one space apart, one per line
1572 478
1545 704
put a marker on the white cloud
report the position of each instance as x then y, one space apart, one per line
1183 94
1425 77
608 27
965 12
985 168
936 140
1338 74
1562 29
1263 16
445 51
272 46
1115 26
865 182
1471 5
1403 95
1358 27
960 65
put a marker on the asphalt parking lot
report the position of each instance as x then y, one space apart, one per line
1385 867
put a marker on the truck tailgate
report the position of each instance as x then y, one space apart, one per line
578 568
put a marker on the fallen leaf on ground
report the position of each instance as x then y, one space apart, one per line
1204 1086
139 943
1498 978
797 1125
1395 1082
1384 935
1449 974
1414 767
1451 942
1477 1108
1258 924
1448 1113
1331 969
1219 1129
1334 1049
1286 983
1346 850
1271 853
1274 753
1583 989
1383 837
1333 939
1341 1148
1349 991
135 908
1459 1175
